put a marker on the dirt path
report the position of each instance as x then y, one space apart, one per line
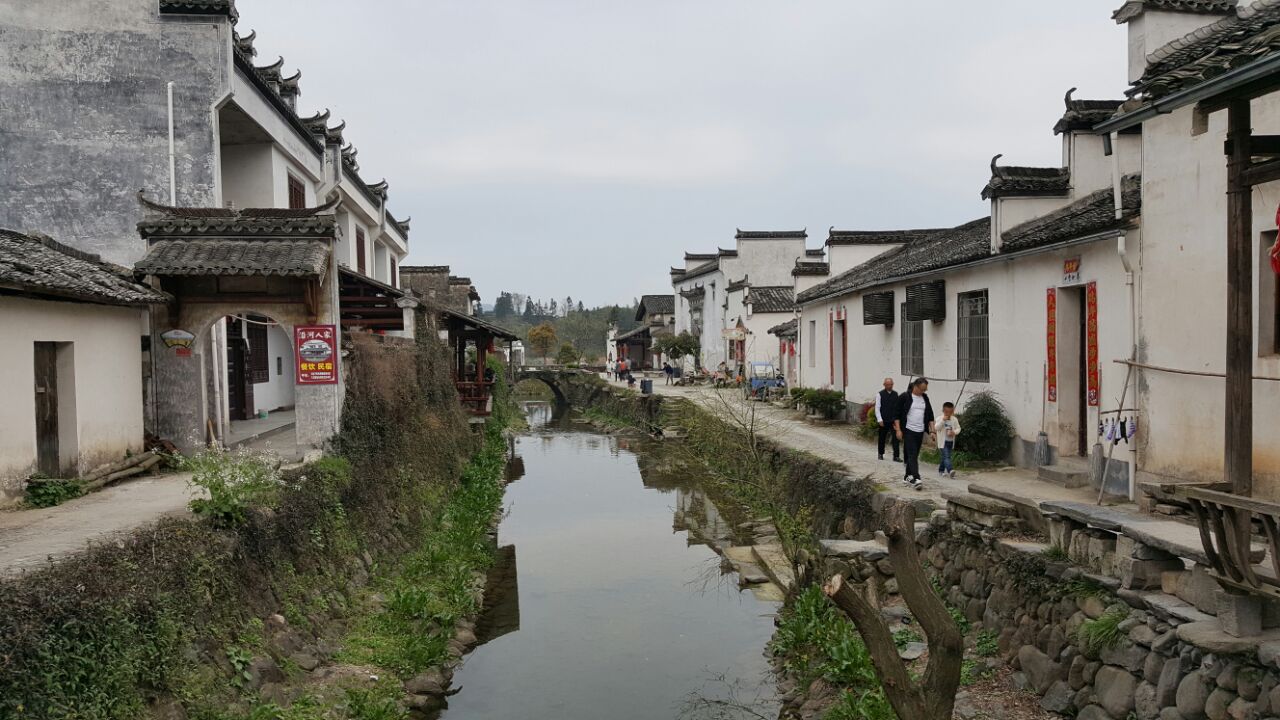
30 537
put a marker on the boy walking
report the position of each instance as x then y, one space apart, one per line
948 429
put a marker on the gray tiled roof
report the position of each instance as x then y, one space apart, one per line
811 268
199 7
1210 51
1089 215
934 251
1015 181
1134 7
735 285
701 257
162 221
1082 115
293 258
632 333
788 329
875 237
772 299
703 269
770 234
41 266
656 305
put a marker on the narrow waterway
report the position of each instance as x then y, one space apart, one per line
605 603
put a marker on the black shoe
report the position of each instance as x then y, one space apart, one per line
881 457
897 459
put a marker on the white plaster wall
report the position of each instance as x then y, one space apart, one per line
1091 167
287 140
246 175
1182 303
765 262
107 382
804 282
282 165
380 269
847 257
277 392
1013 211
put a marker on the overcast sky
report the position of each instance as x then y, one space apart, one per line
581 146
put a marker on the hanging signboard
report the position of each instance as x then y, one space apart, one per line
1051 304
315 354
1091 338
1071 271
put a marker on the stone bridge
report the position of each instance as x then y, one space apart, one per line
565 383
584 389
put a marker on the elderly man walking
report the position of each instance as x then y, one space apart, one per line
886 408
914 418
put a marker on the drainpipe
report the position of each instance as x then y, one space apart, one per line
173 161
1122 249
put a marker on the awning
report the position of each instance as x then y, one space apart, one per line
221 256
367 303
453 316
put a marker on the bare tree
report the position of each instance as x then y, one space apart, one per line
934 695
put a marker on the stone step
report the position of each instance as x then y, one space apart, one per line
1070 476
979 503
871 550
775 564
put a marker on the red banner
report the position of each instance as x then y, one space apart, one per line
1051 305
315 354
1091 338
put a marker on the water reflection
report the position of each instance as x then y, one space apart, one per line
609 615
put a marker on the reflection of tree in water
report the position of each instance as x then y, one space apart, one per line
501 612
660 469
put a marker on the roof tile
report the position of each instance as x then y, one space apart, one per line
42 266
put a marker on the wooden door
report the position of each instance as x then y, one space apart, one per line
1082 381
46 390
239 384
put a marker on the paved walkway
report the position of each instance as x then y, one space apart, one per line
839 444
30 537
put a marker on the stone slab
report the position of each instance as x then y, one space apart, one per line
1177 608
775 563
980 503
768 592
868 549
739 554
1171 536
1210 637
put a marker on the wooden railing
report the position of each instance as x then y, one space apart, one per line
475 396
1226 528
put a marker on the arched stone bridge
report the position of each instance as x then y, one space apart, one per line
584 389
563 382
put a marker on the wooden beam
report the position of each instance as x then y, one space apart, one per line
1263 172
1238 461
1259 146
377 323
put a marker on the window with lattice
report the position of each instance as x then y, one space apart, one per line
912 345
973 341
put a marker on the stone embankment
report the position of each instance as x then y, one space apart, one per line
1101 614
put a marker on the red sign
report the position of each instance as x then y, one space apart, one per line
1091 340
315 354
1051 303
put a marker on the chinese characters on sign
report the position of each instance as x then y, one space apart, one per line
1071 271
1051 303
315 350
1091 333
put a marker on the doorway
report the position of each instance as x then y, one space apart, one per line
239 387
1082 379
1073 348
46 388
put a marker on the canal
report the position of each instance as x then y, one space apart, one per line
608 600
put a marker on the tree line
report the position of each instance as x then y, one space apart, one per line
571 323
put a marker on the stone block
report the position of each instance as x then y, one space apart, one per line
1199 589
1126 655
1193 693
1144 702
1059 698
1169 581
1215 707
1137 574
1041 670
1114 688
1167 685
1239 615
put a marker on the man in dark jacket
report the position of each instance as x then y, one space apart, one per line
886 407
913 419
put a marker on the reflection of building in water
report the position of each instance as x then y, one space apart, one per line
501 612
699 517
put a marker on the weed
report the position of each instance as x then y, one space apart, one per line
1103 632
235 480
1083 587
904 637
1055 553
47 492
240 660
987 644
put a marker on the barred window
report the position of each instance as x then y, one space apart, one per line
974 337
912 345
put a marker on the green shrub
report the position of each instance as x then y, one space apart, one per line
987 431
47 492
827 403
987 644
236 480
1055 553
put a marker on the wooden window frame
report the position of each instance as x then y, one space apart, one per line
973 336
297 192
360 241
912 345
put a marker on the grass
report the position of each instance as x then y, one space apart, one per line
436 585
1082 587
818 641
986 644
1103 632
1055 553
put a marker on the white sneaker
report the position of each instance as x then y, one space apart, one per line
918 484
952 475
909 480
